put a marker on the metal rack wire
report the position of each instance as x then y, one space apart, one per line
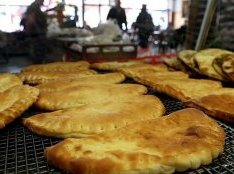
22 152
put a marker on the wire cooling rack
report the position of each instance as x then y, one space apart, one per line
22 152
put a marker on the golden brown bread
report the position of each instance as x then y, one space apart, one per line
15 101
142 69
112 66
148 78
217 106
183 140
87 94
96 118
58 67
184 89
8 80
223 90
205 58
146 66
35 78
58 85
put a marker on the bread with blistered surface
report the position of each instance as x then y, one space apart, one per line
204 59
96 118
114 65
35 78
58 85
87 94
15 101
8 80
180 141
147 78
69 67
218 106
180 87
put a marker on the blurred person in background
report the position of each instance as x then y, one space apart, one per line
118 13
35 27
144 25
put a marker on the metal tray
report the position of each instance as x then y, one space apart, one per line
22 152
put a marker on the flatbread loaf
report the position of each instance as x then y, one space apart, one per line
87 94
217 106
147 78
149 69
96 118
183 140
146 66
205 58
8 80
15 101
58 85
35 78
58 67
184 89
114 65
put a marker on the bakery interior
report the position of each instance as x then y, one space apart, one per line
109 86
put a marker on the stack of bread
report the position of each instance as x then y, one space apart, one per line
213 63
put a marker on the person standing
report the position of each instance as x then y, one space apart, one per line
118 13
35 27
144 25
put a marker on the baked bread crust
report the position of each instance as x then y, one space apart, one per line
114 65
217 106
147 78
35 78
15 101
8 80
96 118
87 94
146 70
58 85
205 58
183 140
58 67
184 89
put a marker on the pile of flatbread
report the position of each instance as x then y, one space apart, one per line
179 85
82 102
214 63
123 126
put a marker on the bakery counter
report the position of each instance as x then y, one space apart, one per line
22 152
